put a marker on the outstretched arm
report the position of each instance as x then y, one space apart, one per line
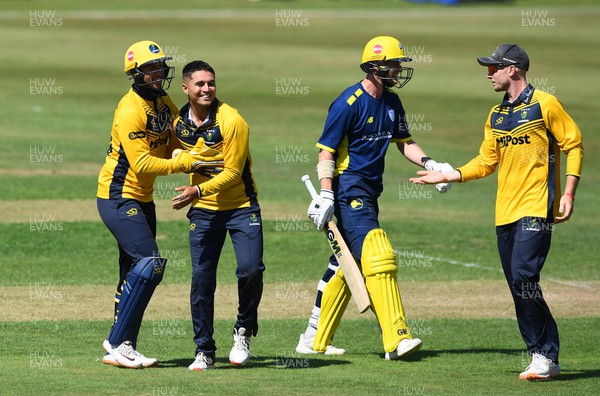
435 177
412 151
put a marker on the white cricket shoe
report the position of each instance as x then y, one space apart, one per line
202 362
124 355
108 359
240 353
146 361
540 368
406 347
305 347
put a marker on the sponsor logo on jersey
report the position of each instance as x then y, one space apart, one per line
159 269
531 225
254 220
507 140
370 120
132 212
192 226
524 118
356 204
158 142
137 135
499 120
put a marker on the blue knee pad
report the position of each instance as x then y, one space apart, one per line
136 292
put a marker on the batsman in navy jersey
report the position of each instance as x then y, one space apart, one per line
360 125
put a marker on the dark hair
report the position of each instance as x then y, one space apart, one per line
195 66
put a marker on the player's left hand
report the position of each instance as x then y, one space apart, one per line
565 209
188 194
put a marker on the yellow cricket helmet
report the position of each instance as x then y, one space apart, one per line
382 49
144 53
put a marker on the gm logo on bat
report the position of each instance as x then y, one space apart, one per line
335 246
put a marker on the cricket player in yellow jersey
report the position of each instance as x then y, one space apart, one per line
523 138
142 126
223 200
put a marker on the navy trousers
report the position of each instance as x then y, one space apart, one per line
208 230
523 247
133 224
356 216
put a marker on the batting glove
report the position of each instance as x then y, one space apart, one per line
320 210
444 187
443 168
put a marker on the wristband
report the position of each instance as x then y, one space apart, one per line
570 195
199 192
424 160
325 169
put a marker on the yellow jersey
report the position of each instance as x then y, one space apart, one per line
524 140
138 149
226 132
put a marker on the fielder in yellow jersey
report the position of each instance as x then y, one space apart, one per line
524 136
137 152
140 135
224 200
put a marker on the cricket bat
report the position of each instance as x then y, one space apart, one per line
352 273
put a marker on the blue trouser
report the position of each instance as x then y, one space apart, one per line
356 215
208 230
523 247
133 224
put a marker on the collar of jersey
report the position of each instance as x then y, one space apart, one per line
186 114
524 97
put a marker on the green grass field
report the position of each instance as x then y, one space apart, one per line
281 63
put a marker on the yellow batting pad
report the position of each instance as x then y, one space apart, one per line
378 253
380 269
334 301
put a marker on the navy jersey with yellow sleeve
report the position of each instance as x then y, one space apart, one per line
136 155
524 140
225 131
358 131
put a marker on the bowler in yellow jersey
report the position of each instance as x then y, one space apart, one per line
224 200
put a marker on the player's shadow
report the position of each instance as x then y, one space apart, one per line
571 375
424 354
274 362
